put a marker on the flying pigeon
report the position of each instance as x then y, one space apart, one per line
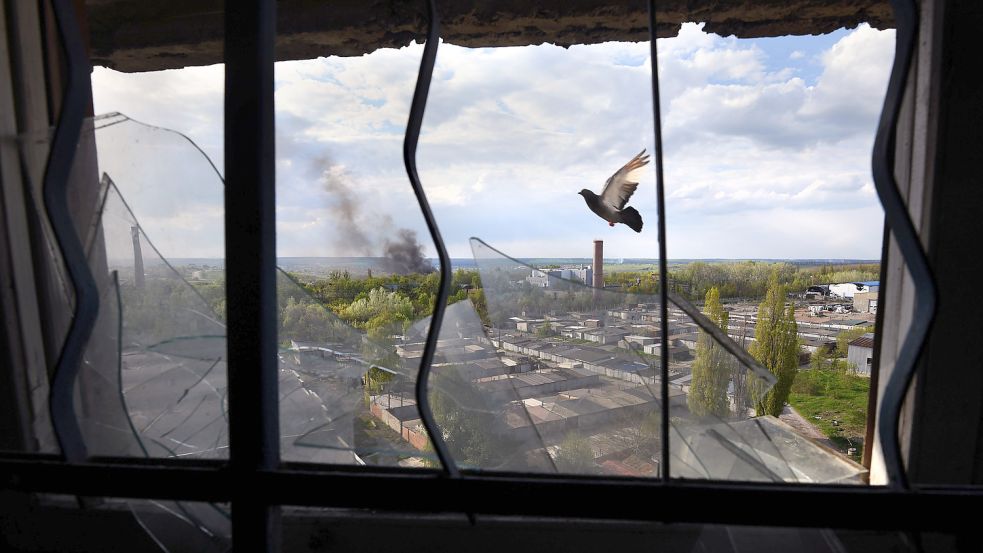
610 205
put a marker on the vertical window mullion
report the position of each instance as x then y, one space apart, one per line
250 250
663 264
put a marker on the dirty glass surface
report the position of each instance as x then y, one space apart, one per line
334 379
153 378
550 375
153 381
356 258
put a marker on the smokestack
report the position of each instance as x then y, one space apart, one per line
598 268
137 258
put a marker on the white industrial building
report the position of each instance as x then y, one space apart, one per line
577 274
849 289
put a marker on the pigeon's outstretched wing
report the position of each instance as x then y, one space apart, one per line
619 188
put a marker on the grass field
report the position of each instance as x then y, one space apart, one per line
839 400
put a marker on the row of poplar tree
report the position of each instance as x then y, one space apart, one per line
775 346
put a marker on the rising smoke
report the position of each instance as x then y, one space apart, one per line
348 235
405 255
402 252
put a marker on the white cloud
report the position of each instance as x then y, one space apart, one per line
188 100
511 134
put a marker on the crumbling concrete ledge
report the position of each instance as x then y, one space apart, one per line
136 35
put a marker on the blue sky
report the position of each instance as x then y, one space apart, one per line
767 147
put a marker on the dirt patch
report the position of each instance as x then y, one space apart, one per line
802 425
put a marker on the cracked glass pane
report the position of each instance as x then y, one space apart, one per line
154 380
332 379
167 368
154 376
544 373
356 262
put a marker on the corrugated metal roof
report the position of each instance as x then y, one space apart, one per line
850 322
536 379
863 342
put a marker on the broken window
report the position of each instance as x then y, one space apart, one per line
535 373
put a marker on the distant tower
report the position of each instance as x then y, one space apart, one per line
598 268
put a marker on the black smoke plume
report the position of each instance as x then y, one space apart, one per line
348 233
405 255
402 252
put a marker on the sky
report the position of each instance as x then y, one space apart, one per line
767 148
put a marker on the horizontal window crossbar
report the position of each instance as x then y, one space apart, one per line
924 509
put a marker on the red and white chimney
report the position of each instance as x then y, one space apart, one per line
598 268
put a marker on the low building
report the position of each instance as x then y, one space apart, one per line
817 292
529 325
676 353
538 384
587 411
540 279
684 339
605 336
630 315
812 345
860 353
640 340
850 289
544 279
574 332
865 302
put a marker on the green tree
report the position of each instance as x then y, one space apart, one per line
575 455
477 298
776 346
641 433
214 294
819 359
473 426
711 368
390 305
376 380
306 321
545 330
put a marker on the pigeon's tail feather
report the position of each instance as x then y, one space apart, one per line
632 218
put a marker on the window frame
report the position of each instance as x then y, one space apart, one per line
257 483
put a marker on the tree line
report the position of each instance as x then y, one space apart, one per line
740 279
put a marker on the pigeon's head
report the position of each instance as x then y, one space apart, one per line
585 193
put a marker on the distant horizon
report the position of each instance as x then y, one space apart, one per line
381 266
613 260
